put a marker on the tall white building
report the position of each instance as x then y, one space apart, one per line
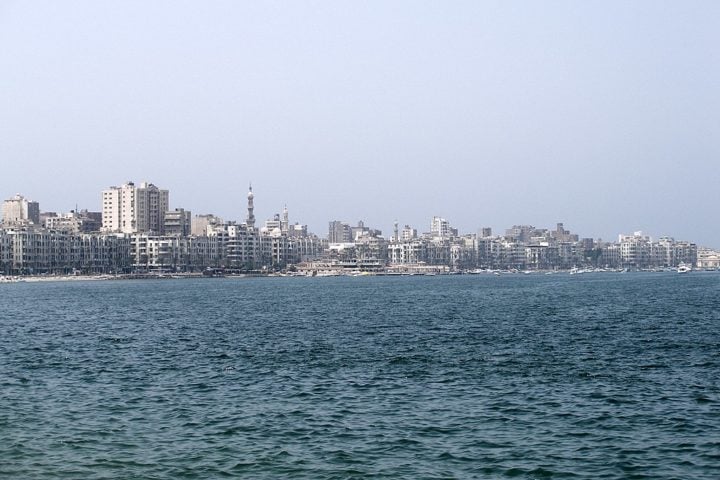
439 227
132 209
20 210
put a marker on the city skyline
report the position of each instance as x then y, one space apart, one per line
137 232
599 114
240 217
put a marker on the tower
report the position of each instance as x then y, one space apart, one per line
250 215
285 224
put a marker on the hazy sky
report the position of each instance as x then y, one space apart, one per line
603 115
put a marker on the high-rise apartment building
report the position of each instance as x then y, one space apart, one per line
20 210
439 227
132 209
339 232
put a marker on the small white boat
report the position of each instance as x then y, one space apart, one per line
684 268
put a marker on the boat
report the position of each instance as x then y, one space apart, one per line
684 268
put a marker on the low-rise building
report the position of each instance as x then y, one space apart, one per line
178 222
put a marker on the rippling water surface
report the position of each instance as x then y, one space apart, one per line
593 376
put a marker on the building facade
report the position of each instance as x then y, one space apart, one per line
19 210
132 209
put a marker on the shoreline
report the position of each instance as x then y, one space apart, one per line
185 276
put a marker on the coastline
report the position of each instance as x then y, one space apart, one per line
184 276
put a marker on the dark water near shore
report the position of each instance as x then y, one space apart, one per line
593 376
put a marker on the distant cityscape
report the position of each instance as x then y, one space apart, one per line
136 232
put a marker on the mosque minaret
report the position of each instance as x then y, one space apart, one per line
250 215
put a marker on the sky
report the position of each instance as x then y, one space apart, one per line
604 115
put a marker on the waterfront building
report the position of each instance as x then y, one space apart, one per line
566 255
685 252
371 247
537 257
131 209
309 247
610 256
515 255
32 249
282 244
706 259
104 253
243 247
662 252
204 252
19 210
413 251
6 253
463 253
163 253
635 249
484 250
276 249
438 251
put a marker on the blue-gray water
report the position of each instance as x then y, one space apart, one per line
593 376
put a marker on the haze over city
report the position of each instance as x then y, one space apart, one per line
601 115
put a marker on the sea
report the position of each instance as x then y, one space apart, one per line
598 376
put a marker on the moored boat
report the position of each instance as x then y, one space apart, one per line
684 268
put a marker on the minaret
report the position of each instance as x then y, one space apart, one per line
396 237
250 215
285 224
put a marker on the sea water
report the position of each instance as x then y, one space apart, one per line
527 376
